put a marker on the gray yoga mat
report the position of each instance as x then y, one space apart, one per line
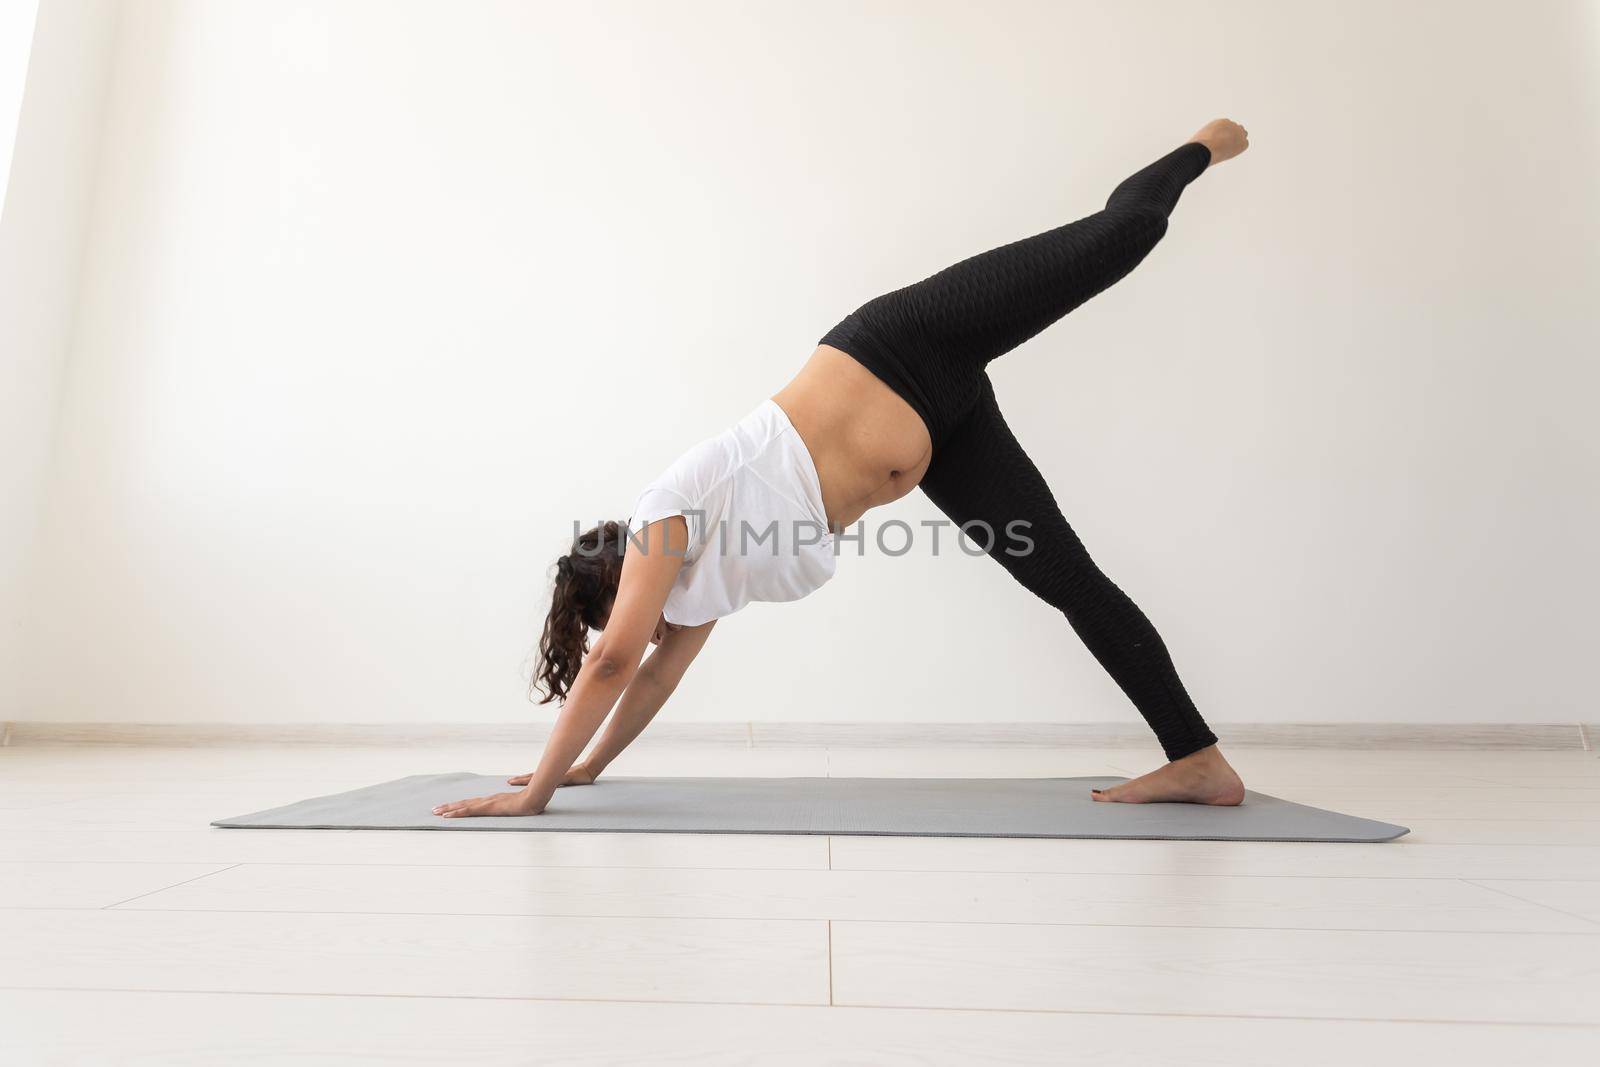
899 807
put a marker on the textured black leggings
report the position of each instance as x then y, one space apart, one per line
931 341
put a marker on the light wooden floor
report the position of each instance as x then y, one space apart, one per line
133 933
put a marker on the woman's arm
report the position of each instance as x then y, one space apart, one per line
654 682
649 568
646 694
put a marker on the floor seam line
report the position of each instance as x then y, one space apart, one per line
983 871
1372 1019
163 889
1535 903
1389 930
830 963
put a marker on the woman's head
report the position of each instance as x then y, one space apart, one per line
585 586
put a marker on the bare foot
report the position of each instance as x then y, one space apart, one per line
1201 778
1224 137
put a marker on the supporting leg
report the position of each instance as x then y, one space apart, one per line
983 480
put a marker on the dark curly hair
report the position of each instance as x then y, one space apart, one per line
585 585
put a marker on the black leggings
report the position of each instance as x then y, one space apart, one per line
931 341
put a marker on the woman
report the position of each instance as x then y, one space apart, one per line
894 397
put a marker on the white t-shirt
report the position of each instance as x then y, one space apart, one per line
757 528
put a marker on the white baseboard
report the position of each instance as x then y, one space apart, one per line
1391 736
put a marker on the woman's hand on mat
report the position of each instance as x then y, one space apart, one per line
498 804
578 775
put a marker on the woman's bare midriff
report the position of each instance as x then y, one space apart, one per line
869 445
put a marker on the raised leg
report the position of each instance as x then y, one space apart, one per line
984 306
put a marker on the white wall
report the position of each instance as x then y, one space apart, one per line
16 40
52 95
381 296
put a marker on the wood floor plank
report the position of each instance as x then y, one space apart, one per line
1105 899
88 885
160 769
1576 898
140 812
707 960
1521 978
212 845
1400 805
1517 781
967 762
1555 831
204 1029
1406 858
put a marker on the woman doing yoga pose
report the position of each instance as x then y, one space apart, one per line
894 397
